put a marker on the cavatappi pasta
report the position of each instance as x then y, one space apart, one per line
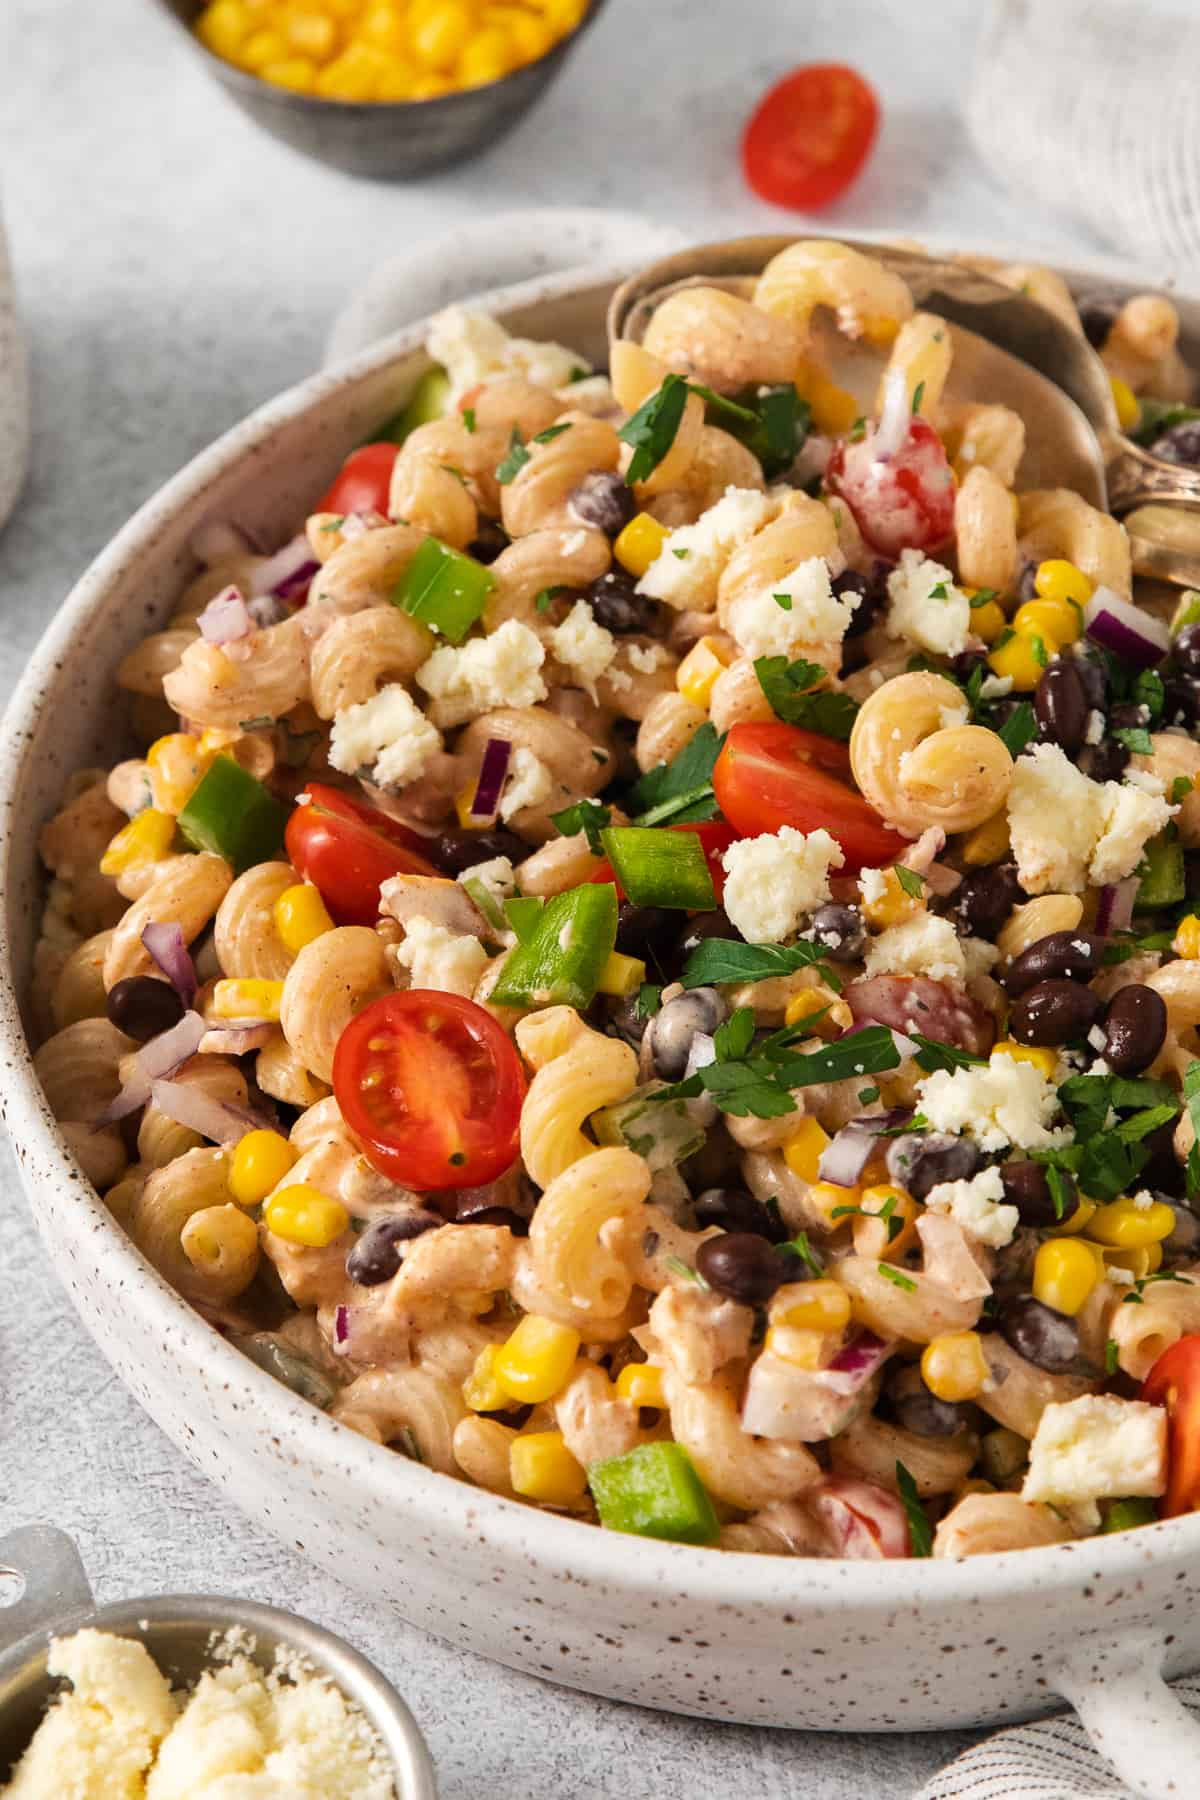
657 933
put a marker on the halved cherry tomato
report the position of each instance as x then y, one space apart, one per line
715 838
362 483
1174 1382
902 501
772 775
433 1087
346 848
809 137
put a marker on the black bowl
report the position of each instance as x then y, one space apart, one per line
386 140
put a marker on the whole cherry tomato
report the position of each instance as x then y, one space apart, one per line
772 775
362 483
347 848
1174 1382
433 1087
901 499
809 137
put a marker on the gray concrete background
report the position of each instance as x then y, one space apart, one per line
175 268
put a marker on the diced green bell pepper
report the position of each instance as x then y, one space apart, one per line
523 912
560 961
1161 875
660 868
655 1492
1187 611
426 403
444 589
1123 1515
232 814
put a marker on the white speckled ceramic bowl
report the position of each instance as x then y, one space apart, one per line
821 1645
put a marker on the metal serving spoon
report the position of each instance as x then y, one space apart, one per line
178 1630
1006 347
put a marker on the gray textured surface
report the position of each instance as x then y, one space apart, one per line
175 268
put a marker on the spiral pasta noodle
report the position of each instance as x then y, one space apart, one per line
918 772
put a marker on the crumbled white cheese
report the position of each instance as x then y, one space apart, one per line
486 672
950 716
496 877
1097 1448
1095 726
529 783
436 958
645 658
1000 1102
811 612
995 687
389 731
691 580
872 885
583 646
974 1205
1118 1276
922 945
1143 1200
927 609
979 956
1068 830
472 348
773 882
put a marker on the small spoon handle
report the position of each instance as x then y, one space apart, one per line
1135 479
55 1583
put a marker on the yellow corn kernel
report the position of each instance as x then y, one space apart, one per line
1079 1220
820 1306
700 669
1136 1264
351 76
835 1015
827 1197
562 15
1128 410
531 37
1057 579
259 1163
300 916
262 47
176 763
640 544
311 34
621 975
1064 1273
1057 619
1127 1226
222 28
302 1215
299 73
953 1366
803 1151
988 843
462 806
431 87
488 57
536 1360
1023 657
386 27
481 1390
1042 1059
892 906
833 410
643 1384
988 621
397 81
438 39
246 997
146 839
796 1345
1186 942
542 1468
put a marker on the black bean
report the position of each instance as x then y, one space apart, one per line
1183 1245
1026 589
1162 1168
742 1267
1055 1012
673 1028
1096 315
457 849
1185 651
494 1215
1181 703
1060 705
840 931
985 898
1094 677
1191 874
736 1211
1105 761
489 540
604 501
966 662
716 924
379 1250
641 930
870 598
141 1006
1047 1339
627 1021
918 1410
617 605
918 1161
1135 1028
1075 955
1128 716
1027 1187
1179 444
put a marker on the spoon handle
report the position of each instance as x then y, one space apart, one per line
54 1582
1135 479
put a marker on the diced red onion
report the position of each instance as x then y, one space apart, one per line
165 944
213 1119
271 575
225 618
236 1040
1114 908
857 1361
155 1060
296 584
843 1160
493 772
894 418
341 1328
1126 630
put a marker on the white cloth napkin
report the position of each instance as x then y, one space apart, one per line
1049 1760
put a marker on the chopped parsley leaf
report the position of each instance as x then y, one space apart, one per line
789 687
679 792
912 883
649 1000
468 418
918 396
652 429
892 1274
920 1532
587 816
515 461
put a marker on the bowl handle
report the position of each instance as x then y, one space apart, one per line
490 253
55 1582
1130 1713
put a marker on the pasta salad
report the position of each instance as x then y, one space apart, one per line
648 958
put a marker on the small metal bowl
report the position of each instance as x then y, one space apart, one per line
386 140
178 1630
